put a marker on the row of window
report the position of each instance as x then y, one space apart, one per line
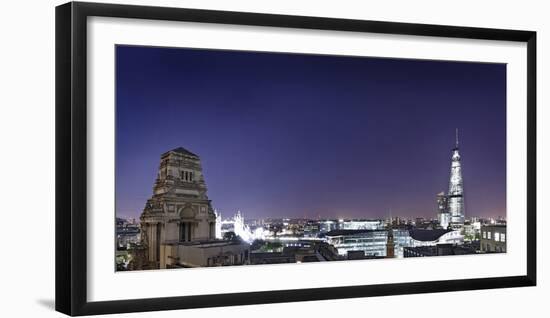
498 237
188 176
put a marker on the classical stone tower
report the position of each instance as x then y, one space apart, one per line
456 188
179 209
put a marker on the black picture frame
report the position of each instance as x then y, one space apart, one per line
71 157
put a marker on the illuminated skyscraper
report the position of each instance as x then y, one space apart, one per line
456 188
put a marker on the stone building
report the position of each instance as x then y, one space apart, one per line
178 223
493 238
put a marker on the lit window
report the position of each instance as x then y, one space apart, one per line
502 237
497 236
484 234
488 235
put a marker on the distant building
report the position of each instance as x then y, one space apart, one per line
451 206
361 225
493 238
456 188
327 226
390 244
443 214
298 252
401 238
371 242
472 231
312 229
127 233
397 221
437 250
375 242
178 224
433 237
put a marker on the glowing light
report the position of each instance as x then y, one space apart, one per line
243 230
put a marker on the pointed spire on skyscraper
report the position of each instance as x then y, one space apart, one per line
456 187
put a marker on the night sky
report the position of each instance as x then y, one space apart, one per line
297 135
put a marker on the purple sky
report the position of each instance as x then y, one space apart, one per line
305 135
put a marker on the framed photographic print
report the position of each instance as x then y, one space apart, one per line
209 158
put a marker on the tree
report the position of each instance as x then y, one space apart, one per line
230 236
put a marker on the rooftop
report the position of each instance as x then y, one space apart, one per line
182 151
427 235
206 243
349 232
493 225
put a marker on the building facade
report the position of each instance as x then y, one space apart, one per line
443 214
437 250
371 242
493 238
361 225
421 237
380 243
451 209
390 244
456 188
179 217
127 233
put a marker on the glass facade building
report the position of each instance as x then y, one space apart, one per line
456 188
372 242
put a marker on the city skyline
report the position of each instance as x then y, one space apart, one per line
273 144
